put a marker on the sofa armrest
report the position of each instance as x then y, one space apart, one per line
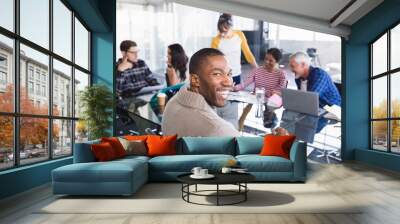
298 155
83 152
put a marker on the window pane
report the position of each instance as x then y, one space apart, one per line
395 47
62 89
395 138
34 72
33 139
6 74
6 142
379 55
379 97
81 45
62 29
379 135
35 21
81 81
81 131
7 14
62 138
395 95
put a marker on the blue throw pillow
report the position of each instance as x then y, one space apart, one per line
249 145
208 145
83 152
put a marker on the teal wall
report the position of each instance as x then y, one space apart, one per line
103 51
356 97
103 59
380 159
103 63
99 16
24 178
91 12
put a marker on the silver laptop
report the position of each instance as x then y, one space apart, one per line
301 102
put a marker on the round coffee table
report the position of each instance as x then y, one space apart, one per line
238 179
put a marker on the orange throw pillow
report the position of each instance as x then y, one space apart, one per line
277 145
161 145
103 152
116 145
136 137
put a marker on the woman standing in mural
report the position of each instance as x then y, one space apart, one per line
232 43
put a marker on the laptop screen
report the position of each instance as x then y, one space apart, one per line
301 101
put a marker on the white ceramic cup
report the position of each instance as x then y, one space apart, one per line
226 170
203 172
196 171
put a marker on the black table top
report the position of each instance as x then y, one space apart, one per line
220 178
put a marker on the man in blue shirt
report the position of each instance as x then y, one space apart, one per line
309 78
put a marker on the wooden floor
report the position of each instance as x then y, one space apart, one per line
379 189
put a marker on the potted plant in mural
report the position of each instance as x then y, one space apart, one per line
96 103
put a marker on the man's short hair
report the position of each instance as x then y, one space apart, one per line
200 57
126 44
301 57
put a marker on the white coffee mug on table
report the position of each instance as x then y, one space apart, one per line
203 172
196 171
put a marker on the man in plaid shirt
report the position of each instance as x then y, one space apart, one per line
309 78
132 80
132 73
314 79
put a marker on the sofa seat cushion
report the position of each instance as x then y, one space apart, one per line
133 157
113 171
257 163
185 163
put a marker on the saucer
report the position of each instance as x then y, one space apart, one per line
208 176
240 171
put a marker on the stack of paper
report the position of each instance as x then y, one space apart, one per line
275 101
334 112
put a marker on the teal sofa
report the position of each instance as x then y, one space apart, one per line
125 176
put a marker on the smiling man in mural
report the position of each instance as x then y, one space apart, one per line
191 112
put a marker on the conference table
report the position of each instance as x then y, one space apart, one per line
249 99
304 126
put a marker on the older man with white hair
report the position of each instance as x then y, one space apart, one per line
309 78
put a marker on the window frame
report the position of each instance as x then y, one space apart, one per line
3 77
3 71
388 74
16 114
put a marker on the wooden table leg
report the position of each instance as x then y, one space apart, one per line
246 111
